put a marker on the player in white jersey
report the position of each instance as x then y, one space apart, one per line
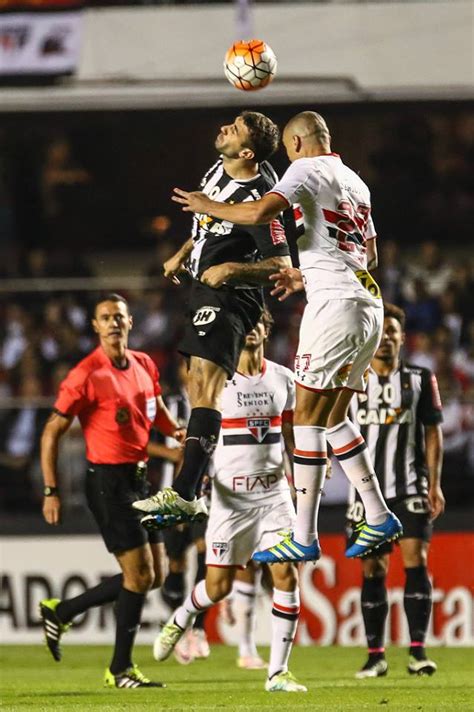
250 503
340 329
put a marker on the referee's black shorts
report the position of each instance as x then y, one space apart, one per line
412 511
217 322
110 492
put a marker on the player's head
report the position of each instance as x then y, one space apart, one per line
393 335
306 134
261 331
252 136
112 320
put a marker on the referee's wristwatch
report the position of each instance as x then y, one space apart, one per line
51 491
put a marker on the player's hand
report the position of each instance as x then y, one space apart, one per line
180 435
287 281
216 276
172 267
52 510
436 501
195 202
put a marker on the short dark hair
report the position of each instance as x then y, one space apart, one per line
264 134
393 312
111 297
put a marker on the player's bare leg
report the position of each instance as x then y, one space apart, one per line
179 503
418 603
314 411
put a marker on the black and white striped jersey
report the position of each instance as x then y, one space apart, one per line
391 416
217 241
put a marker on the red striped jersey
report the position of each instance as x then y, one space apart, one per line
248 459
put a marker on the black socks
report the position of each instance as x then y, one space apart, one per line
417 602
105 592
201 439
374 612
128 611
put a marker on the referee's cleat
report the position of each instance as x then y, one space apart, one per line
166 640
371 536
373 668
130 679
172 508
53 628
421 667
288 550
284 682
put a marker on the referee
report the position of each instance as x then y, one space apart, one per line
115 393
399 417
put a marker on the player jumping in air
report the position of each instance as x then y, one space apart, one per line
250 503
400 416
229 264
340 329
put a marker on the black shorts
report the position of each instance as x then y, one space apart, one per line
110 491
217 322
177 541
413 512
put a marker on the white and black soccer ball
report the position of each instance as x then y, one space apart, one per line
251 65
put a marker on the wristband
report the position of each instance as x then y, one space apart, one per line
51 491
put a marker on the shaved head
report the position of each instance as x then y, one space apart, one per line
309 124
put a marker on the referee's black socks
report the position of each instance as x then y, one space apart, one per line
105 592
201 439
128 613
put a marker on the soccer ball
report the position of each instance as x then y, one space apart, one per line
250 65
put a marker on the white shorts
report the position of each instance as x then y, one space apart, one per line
338 339
232 537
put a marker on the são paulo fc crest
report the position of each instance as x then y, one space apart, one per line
259 427
219 548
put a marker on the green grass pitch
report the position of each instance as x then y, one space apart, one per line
29 678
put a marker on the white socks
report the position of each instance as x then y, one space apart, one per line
197 602
351 450
244 600
285 612
309 472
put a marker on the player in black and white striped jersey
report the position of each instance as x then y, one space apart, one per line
229 263
399 417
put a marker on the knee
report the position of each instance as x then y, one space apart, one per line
375 567
217 590
140 580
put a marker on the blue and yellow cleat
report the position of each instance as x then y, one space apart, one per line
288 550
370 537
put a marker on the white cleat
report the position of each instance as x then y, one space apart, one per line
166 640
251 662
168 502
421 667
284 682
182 651
377 668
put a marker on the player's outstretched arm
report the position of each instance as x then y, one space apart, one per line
53 431
287 281
434 460
254 212
249 272
166 424
175 264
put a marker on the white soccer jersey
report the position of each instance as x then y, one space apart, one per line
337 223
248 459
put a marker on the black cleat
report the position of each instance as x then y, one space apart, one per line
129 679
53 628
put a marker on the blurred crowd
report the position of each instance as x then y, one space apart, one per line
43 334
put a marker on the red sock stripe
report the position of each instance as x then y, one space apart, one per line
284 609
416 644
345 448
376 650
195 602
309 453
